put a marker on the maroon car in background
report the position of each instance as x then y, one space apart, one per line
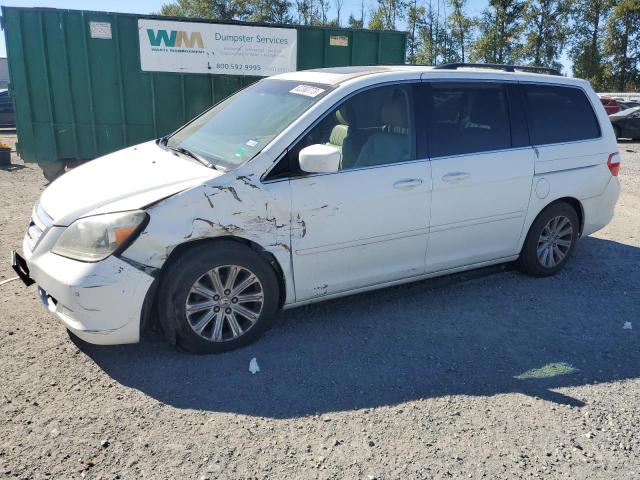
611 105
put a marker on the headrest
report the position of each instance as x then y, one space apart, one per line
394 110
344 115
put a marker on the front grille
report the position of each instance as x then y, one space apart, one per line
39 223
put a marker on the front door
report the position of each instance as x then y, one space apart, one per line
367 223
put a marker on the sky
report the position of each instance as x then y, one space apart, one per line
474 7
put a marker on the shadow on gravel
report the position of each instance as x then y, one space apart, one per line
12 167
499 333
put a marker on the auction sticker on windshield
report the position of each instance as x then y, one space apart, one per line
190 47
307 90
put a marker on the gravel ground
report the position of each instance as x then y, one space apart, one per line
485 375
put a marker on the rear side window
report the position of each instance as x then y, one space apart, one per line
468 118
559 114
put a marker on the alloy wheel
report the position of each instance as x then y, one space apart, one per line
555 241
224 303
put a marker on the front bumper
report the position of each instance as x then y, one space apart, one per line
100 302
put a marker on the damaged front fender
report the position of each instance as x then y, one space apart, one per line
238 205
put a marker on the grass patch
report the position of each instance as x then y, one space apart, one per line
549 370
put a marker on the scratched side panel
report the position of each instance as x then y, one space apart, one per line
234 204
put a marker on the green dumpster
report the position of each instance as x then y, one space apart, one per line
87 83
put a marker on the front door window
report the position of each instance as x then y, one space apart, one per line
372 128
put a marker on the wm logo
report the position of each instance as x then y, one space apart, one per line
175 38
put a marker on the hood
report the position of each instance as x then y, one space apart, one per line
125 180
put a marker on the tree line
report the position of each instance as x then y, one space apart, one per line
600 37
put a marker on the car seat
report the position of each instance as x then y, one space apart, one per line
392 144
343 134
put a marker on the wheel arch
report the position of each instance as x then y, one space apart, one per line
269 257
148 314
575 204
571 201
529 258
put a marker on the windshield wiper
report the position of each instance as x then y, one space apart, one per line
195 156
164 142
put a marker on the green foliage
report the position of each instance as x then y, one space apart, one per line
216 9
415 22
621 46
307 12
386 15
461 27
501 26
353 22
601 37
269 11
438 33
546 30
585 50
376 22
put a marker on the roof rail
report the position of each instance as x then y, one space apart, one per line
506 68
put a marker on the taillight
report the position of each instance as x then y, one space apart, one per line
614 163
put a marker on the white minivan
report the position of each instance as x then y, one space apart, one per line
316 184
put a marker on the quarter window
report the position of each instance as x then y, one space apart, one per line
374 127
559 114
468 118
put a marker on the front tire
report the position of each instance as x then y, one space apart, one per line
217 297
550 241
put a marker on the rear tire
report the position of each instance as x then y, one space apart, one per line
217 297
550 241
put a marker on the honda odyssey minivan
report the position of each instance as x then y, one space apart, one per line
316 184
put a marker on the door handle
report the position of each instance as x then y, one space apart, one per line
455 177
407 183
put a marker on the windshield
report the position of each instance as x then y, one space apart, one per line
236 129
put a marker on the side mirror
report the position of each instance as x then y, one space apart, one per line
319 159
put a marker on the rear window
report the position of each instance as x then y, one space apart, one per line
559 114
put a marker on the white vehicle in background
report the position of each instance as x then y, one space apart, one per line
316 184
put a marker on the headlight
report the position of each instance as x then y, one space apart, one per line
92 239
